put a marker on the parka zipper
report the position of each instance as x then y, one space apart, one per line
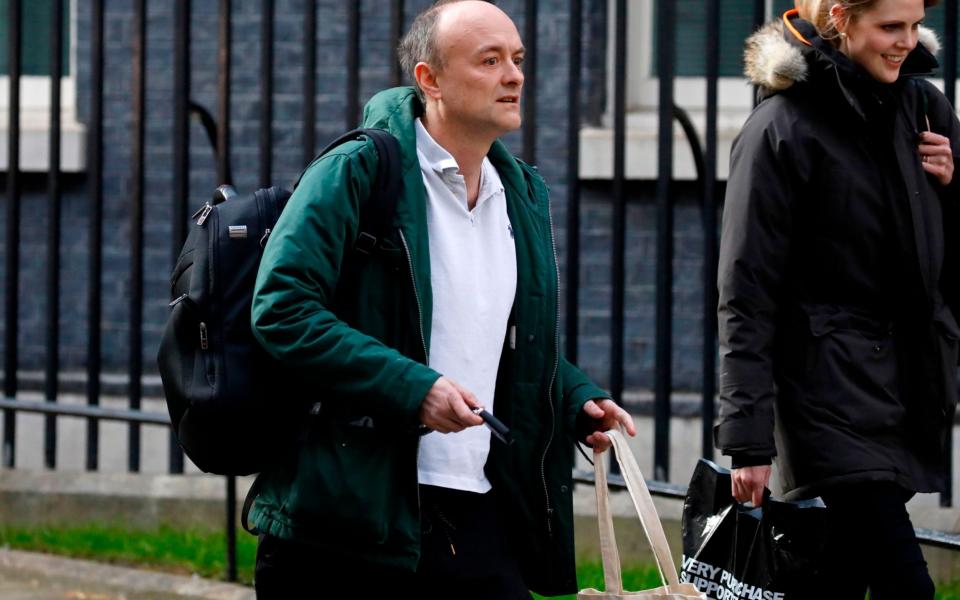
423 341
553 377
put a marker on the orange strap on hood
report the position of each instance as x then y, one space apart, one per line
786 23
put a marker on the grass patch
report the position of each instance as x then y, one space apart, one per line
948 591
183 551
590 575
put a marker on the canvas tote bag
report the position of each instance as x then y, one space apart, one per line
672 589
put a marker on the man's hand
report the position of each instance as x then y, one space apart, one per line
936 156
446 407
607 415
747 483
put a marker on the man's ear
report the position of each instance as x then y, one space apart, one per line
426 78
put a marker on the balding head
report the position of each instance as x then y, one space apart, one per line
435 29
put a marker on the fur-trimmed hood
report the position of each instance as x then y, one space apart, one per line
775 57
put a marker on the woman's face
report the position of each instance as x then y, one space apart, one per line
880 38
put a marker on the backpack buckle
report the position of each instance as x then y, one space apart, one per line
366 243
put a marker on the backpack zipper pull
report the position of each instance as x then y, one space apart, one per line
204 340
204 213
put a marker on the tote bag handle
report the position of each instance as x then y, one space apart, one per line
647 512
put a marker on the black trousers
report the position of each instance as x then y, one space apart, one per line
872 545
465 554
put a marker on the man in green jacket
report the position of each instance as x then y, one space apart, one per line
456 310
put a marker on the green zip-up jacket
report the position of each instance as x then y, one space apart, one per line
355 332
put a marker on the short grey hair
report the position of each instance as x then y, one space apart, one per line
420 43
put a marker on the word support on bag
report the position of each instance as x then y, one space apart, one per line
732 551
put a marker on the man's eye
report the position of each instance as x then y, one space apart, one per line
490 61
518 61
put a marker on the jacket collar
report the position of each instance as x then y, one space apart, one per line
396 110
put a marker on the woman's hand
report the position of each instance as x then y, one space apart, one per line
748 483
936 156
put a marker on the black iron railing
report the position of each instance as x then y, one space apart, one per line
218 130
927 537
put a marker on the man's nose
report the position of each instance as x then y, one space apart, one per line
513 74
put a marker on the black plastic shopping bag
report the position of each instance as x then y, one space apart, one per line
735 551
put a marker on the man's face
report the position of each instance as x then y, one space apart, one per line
480 80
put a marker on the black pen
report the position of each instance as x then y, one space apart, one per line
496 426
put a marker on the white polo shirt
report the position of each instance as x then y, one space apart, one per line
473 274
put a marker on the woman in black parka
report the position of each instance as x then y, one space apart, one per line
838 281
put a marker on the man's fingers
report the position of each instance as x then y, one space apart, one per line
621 416
593 410
627 421
749 483
443 424
445 407
459 402
467 395
735 489
462 413
599 441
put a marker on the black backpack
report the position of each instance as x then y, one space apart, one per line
229 401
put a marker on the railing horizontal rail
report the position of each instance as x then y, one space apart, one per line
80 410
657 488
928 537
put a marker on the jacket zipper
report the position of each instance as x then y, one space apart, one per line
553 378
423 341
416 294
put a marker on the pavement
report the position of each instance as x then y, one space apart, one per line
35 576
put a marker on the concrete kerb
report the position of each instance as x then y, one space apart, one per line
100 579
140 500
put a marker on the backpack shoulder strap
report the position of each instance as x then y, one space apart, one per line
378 210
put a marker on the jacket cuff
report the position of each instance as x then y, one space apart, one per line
738 461
413 391
585 425
745 437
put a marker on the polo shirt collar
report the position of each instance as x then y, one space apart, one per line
436 155
444 164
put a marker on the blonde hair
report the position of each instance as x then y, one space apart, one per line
818 13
